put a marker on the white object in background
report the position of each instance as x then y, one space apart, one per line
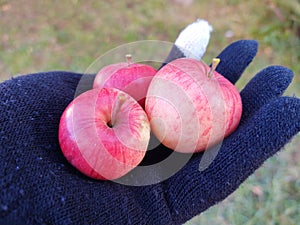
193 39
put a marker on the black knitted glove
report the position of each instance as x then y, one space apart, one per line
38 185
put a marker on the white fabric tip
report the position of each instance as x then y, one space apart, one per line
193 39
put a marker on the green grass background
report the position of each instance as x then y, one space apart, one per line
69 35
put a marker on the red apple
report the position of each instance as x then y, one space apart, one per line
132 78
104 133
191 106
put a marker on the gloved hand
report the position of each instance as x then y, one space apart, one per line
38 185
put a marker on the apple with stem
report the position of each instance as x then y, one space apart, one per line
104 133
132 78
191 106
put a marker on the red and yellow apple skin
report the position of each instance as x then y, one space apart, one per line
104 133
189 110
132 78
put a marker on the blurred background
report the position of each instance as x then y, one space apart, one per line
69 35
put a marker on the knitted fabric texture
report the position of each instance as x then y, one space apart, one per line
194 38
38 185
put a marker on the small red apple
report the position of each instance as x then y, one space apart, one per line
104 133
191 106
132 78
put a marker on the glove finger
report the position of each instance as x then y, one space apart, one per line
235 58
191 42
269 83
175 53
190 191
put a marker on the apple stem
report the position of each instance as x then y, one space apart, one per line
215 63
116 108
128 59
